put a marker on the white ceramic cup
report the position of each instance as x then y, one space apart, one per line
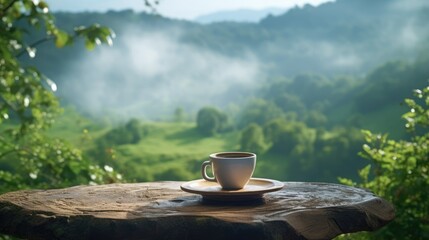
232 170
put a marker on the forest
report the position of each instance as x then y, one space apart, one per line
335 93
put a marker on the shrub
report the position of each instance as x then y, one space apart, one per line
211 121
399 172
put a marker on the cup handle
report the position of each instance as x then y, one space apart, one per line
204 171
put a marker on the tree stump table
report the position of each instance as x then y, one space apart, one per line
160 210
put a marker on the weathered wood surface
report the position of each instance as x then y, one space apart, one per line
161 210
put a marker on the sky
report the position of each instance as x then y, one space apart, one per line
179 9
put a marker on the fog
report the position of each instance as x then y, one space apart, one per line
409 5
150 74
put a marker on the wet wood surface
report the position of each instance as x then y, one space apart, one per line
160 210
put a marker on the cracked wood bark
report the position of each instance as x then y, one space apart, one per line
160 210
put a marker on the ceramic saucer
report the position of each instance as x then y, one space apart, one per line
253 190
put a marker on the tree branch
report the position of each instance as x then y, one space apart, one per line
38 42
7 103
4 10
7 144
3 154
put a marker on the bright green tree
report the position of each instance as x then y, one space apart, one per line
28 158
399 172
252 139
289 137
211 121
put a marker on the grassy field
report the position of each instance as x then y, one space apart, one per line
80 131
175 151
169 150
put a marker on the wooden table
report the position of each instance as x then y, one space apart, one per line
160 210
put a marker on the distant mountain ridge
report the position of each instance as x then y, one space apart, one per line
345 36
352 11
239 15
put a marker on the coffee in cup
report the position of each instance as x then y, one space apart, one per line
232 170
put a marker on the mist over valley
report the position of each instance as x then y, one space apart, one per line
157 64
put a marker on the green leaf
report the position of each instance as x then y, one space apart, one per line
346 181
367 135
43 5
62 39
364 172
90 45
410 102
366 148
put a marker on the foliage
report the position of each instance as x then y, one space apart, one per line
399 172
130 133
41 162
211 121
252 139
302 153
289 137
315 119
28 106
386 84
335 153
259 111
289 102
